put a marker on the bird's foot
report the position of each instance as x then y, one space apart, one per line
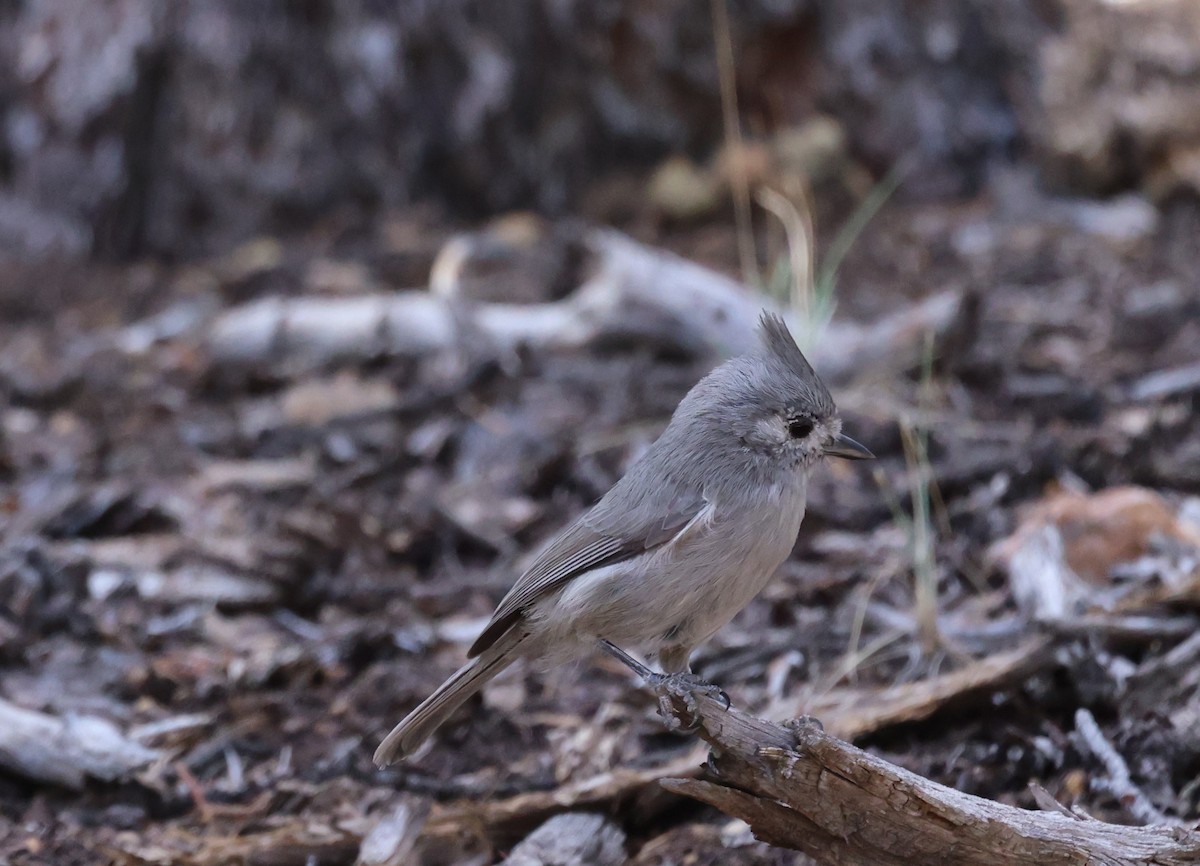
676 692
688 682
677 698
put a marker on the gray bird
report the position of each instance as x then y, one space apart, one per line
692 532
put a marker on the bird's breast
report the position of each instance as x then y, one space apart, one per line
744 538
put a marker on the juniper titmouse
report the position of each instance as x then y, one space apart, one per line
691 533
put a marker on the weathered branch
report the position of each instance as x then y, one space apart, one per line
801 788
633 289
854 712
67 751
499 818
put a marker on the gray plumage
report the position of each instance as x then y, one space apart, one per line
692 532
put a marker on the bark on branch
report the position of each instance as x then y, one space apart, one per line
798 787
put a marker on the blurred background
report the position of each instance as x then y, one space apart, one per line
317 318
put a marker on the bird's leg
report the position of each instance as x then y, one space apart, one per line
626 659
674 659
670 687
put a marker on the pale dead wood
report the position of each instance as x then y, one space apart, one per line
799 787
67 751
393 839
573 838
633 289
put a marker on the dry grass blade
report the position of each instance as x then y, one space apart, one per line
727 74
798 230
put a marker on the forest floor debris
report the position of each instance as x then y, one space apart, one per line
248 569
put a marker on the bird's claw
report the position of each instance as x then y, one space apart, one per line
684 686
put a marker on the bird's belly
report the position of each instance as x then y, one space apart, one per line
681 593
732 573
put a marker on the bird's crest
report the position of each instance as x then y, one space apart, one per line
778 341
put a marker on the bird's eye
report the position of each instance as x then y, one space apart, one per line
798 428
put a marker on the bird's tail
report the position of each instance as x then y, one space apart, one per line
429 715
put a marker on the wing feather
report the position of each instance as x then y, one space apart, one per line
598 538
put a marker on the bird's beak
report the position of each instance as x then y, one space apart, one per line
844 446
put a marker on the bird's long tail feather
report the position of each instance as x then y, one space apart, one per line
429 715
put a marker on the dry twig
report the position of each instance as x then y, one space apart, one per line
1117 780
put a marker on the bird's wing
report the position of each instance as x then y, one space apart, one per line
602 536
